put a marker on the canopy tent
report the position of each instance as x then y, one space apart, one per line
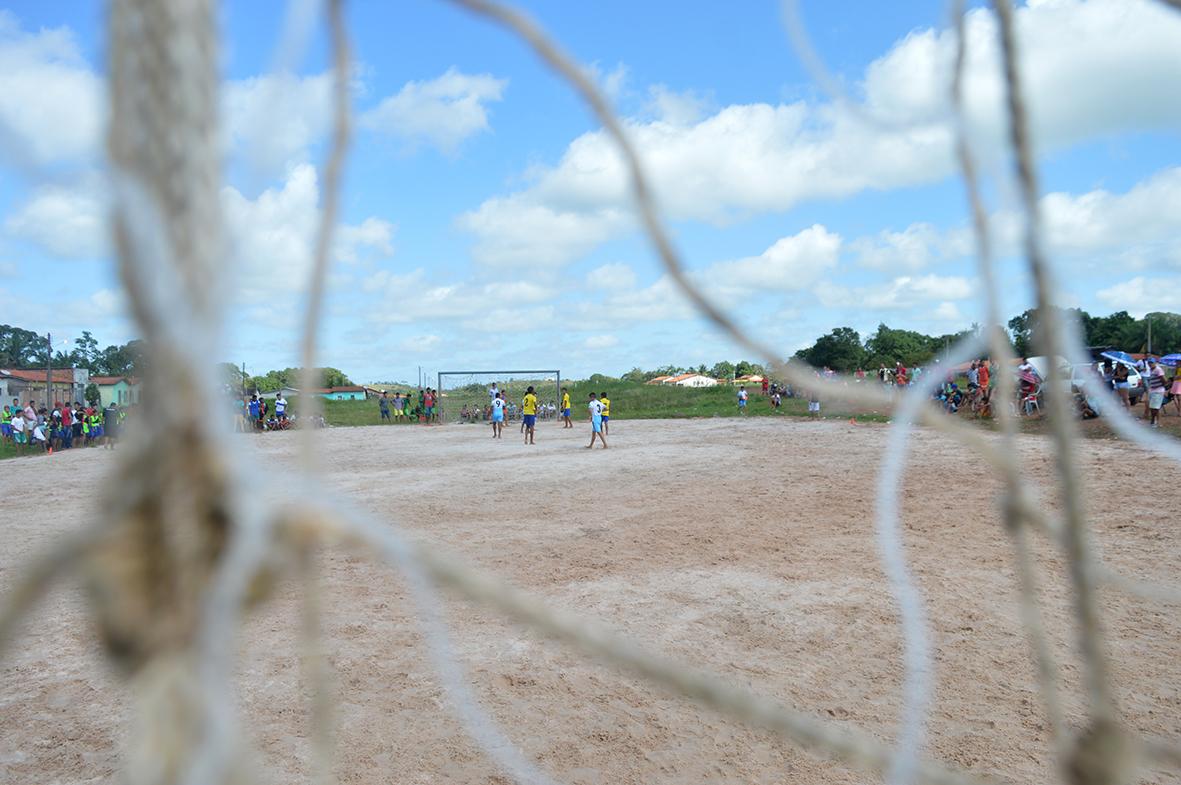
1171 360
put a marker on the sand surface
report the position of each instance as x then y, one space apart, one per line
744 547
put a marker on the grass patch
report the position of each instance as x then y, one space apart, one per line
629 401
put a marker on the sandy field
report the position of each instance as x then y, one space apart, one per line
743 547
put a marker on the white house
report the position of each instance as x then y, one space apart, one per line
692 380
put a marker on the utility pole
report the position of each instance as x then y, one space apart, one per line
1149 320
49 372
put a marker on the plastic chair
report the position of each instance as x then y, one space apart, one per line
1030 402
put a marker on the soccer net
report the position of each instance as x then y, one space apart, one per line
464 396
182 528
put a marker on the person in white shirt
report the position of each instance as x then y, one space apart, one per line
497 416
18 427
595 407
39 436
493 391
281 407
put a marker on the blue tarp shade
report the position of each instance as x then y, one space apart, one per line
1171 360
1122 357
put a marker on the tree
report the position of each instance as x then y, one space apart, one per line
888 346
722 370
745 368
91 394
20 348
85 352
840 350
636 375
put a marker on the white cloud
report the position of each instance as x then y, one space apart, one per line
904 292
272 236
613 82
1083 81
69 222
1142 295
441 112
419 343
410 297
792 263
611 276
373 237
513 231
914 248
272 121
51 102
601 342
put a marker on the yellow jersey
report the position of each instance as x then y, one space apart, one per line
606 406
529 404
565 400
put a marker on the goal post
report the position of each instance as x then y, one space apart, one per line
470 388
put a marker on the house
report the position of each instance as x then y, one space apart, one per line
750 378
28 384
351 393
123 390
287 392
658 380
691 380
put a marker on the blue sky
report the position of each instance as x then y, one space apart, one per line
486 222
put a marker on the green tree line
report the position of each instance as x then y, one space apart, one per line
20 348
844 350
272 381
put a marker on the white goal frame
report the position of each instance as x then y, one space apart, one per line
557 374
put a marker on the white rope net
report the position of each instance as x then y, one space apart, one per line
182 552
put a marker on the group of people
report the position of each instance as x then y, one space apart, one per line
406 407
1159 388
64 427
598 406
471 413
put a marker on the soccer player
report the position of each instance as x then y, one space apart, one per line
596 412
383 404
566 409
742 396
529 414
603 399
497 415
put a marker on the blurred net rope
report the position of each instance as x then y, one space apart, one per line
178 557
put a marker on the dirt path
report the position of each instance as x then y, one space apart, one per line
745 547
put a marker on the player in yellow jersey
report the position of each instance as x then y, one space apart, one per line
603 399
529 414
566 408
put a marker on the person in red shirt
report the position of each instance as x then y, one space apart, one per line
67 427
984 378
428 403
901 375
765 384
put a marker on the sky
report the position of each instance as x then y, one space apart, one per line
487 222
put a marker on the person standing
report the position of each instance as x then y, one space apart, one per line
281 407
566 409
742 396
497 416
1176 389
383 405
596 412
529 414
110 426
67 426
603 399
1156 393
